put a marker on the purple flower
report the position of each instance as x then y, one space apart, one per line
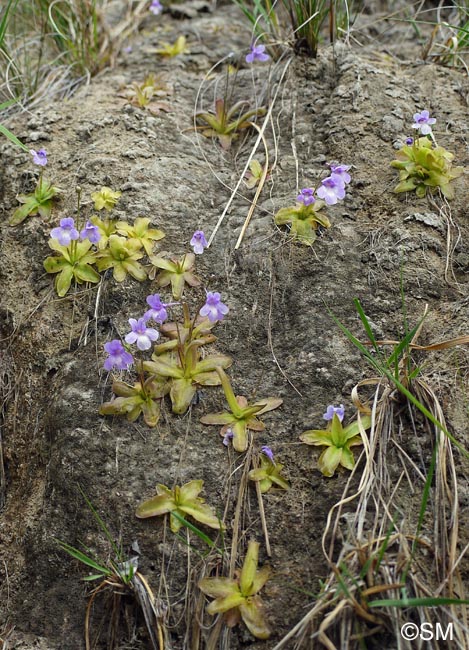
141 334
331 190
423 121
306 196
66 232
214 309
156 7
198 242
267 451
158 311
341 172
334 410
90 232
128 49
118 356
229 435
257 53
39 157
409 141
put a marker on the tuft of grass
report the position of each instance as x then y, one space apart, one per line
303 22
398 558
50 46
120 580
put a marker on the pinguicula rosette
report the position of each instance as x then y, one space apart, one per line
423 165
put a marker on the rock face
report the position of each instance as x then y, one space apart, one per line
348 106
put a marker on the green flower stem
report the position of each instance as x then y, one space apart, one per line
141 376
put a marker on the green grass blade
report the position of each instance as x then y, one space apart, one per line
102 525
205 538
393 359
10 6
383 371
10 102
366 325
12 137
85 559
93 577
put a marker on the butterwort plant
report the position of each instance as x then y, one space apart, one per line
176 366
183 365
74 259
82 252
144 396
183 501
241 416
424 166
238 598
226 122
41 200
305 218
269 473
337 439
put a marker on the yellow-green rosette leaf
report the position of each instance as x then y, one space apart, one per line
218 587
248 572
240 435
221 605
63 281
253 617
329 460
201 512
156 506
347 460
85 273
151 412
190 490
55 264
21 213
135 269
182 393
317 437
353 429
